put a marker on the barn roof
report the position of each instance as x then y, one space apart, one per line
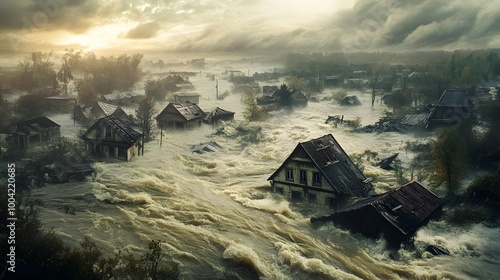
406 207
27 127
333 162
458 98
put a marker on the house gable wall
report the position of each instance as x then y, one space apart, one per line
307 190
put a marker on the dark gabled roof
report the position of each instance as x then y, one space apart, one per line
340 171
188 111
406 207
26 127
298 95
457 98
128 134
220 112
350 100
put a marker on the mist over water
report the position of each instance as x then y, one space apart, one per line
214 212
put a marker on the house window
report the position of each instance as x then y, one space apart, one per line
98 133
311 197
330 201
289 175
108 132
122 152
303 177
296 196
317 179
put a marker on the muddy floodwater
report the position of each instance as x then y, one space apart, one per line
215 213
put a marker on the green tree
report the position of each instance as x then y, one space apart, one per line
284 95
252 111
449 159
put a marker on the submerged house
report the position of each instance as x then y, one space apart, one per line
180 116
319 171
111 138
396 214
208 147
217 115
298 99
187 97
32 132
100 110
350 101
123 98
453 106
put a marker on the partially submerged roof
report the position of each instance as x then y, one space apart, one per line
209 147
333 162
298 95
350 100
406 207
218 112
458 98
30 126
121 95
128 134
185 110
105 108
417 119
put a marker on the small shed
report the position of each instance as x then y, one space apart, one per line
32 132
396 214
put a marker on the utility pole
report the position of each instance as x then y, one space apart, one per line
216 88
161 135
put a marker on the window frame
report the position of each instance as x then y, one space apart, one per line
289 174
318 182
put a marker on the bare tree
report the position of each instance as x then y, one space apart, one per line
374 72
145 114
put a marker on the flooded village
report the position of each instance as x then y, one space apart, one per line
192 155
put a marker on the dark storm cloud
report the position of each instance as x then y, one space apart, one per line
260 25
31 15
398 25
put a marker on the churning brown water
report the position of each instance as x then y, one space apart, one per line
214 212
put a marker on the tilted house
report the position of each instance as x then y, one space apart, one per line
453 106
217 115
397 214
180 116
109 137
321 172
33 132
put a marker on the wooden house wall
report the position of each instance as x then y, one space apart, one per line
297 190
110 147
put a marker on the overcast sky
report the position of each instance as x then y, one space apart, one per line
248 26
